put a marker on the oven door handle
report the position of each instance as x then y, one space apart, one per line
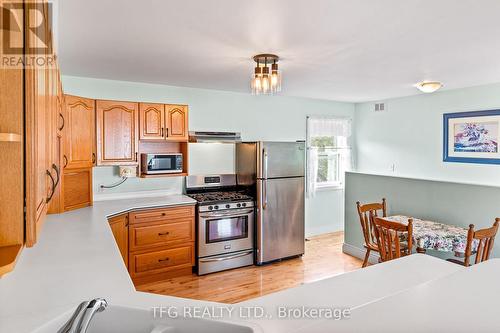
226 258
232 213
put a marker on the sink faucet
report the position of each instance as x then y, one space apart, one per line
80 320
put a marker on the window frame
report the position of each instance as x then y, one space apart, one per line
336 185
331 184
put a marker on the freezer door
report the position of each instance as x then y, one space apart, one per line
280 218
280 159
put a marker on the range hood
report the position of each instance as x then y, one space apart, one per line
215 137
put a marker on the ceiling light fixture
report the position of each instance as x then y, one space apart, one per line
265 82
429 86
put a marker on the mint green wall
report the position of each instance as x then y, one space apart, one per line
445 202
256 117
409 135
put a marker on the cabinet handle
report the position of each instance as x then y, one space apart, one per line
63 122
163 214
65 161
49 197
167 133
163 233
57 174
93 158
162 130
136 156
162 260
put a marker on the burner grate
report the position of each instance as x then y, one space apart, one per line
219 196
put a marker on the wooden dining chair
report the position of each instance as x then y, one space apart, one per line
367 213
389 235
485 238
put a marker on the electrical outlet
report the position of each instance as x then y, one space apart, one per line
128 171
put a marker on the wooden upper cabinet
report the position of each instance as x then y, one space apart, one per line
176 122
117 132
163 122
79 132
151 120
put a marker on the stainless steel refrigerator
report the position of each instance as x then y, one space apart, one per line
276 170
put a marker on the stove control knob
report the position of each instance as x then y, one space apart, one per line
210 207
216 207
228 206
238 205
244 204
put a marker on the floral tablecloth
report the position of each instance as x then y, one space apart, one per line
436 236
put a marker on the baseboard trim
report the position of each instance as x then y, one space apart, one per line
320 230
359 253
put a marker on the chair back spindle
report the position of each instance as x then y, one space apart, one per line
485 240
367 213
389 235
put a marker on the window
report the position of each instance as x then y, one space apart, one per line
329 152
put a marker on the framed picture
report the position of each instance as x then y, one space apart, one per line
471 137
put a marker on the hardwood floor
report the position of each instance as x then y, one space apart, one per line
323 259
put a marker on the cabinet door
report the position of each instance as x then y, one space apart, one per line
176 122
38 184
58 124
77 188
119 227
39 138
117 132
79 132
151 120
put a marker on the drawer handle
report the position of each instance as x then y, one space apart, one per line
163 233
163 214
163 260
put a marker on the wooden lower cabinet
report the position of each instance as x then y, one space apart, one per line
144 264
119 227
77 188
160 233
160 242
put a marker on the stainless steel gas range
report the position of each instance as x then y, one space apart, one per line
225 223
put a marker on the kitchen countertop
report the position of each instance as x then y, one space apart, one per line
465 301
76 259
351 290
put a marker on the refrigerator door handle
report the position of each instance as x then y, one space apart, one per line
264 193
264 153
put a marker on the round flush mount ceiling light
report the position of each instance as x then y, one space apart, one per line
429 86
265 81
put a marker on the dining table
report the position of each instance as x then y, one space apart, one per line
431 235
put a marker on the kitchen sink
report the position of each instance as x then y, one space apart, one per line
117 319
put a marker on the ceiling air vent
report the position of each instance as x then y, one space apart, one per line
380 107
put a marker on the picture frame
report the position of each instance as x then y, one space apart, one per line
472 137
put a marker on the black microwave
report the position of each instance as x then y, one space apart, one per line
161 163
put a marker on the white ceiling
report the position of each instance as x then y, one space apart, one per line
356 50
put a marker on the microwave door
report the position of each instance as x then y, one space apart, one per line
152 164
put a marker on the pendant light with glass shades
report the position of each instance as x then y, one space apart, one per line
265 81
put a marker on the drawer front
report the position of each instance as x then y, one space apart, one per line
144 236
164 260
163 214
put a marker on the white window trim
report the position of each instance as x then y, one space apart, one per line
330 186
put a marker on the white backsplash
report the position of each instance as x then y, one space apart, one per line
211 158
